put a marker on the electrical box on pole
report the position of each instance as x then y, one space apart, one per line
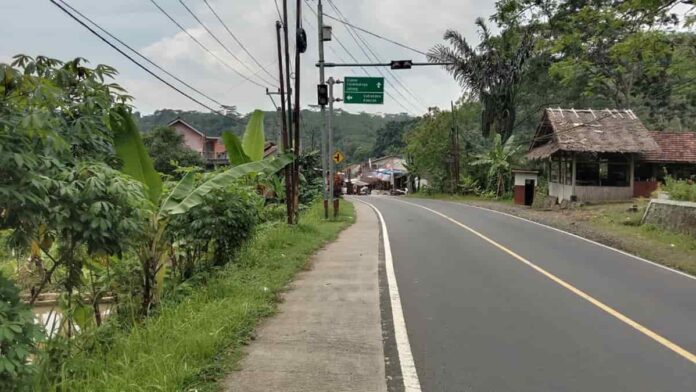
326 33
401 64
322 94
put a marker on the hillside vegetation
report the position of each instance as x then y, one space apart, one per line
354 133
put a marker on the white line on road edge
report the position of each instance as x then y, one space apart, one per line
676 271
606 308
403 347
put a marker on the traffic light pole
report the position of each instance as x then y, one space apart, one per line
324 153
332 166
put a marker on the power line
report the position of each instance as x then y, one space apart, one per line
237 40
205 47
139 54
200 22
377 59
375 35
135 61
363 68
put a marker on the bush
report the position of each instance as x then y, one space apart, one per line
18 338
211 233
679 189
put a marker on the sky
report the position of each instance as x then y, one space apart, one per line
37 27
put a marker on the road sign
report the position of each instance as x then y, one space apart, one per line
338 157
365 90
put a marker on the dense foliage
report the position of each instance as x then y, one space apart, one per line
166 147
18 339
684 190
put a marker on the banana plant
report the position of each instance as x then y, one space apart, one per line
184 196
251 147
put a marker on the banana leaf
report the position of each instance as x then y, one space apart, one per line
226 178
182 189
254 139
130 148
235 151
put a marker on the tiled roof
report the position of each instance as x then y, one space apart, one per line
674 146
618 131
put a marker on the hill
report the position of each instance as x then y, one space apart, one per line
354 133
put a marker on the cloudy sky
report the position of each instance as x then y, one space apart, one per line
37 27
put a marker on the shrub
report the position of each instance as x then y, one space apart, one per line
211 233
680 190
18 338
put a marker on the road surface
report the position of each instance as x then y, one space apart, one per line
495 303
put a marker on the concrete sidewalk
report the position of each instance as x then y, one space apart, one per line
327 334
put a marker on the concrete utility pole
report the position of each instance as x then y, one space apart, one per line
332 166
324 154
284 130
455 151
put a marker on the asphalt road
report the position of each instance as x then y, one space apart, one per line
479 319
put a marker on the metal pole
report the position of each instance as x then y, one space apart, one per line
331 148
324 154
284 131
291 188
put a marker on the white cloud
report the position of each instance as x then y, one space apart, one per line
418 23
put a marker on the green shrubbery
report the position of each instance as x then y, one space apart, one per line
211 233
684 190
18 339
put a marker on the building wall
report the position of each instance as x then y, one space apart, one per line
590 193
678 216
192 139
520 178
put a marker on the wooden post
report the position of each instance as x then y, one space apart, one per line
575 173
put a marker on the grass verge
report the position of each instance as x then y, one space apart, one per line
190 344
613 224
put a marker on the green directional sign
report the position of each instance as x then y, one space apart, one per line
364 90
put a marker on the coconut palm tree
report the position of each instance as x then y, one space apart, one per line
491 72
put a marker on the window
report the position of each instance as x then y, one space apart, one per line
555 170
569 172
611 171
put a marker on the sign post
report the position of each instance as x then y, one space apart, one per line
363 90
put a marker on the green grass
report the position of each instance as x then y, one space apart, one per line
190 344
672 249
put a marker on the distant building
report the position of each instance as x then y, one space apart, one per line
603 155
211 148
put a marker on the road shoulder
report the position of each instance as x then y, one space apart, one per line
327 335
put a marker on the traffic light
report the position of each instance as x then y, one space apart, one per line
322 94
401 64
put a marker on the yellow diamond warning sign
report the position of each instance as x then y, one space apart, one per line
338 157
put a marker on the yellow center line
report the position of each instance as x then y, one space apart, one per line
608 309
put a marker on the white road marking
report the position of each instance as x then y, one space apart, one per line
403 347
684 274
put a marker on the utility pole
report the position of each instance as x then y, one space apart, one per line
289 195
324 153
296 115
455 151
332 166
284 129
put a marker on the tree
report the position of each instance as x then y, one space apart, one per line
491 72
389 139
499 161
167 149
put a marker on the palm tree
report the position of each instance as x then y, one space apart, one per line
499 160
492 71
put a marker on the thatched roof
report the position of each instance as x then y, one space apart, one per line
598 131
677 147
